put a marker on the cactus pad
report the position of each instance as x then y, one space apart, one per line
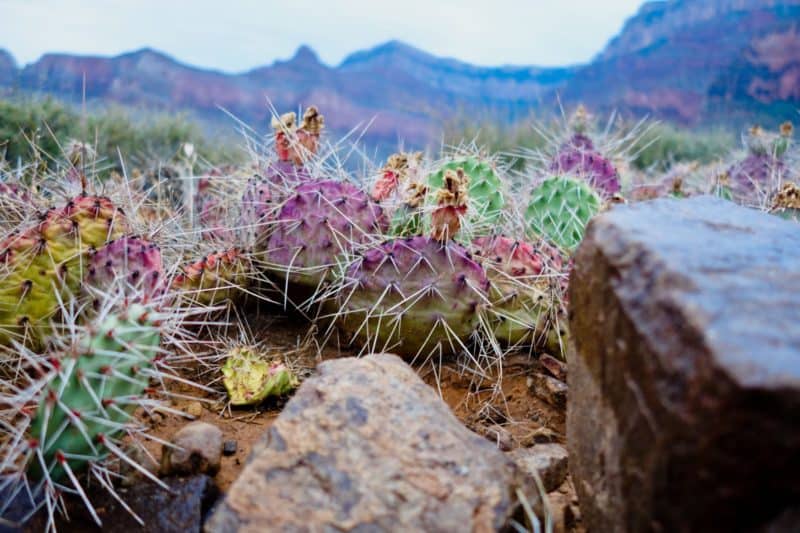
93 392
321 221
249 378
412 297
559 209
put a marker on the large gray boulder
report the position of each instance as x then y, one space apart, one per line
684 374
365 445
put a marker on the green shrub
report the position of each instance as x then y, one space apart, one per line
38 130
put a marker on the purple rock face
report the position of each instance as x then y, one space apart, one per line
129 263
586 163
319 222
412 296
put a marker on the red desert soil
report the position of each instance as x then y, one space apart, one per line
504 410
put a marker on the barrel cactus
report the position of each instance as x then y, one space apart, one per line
559 209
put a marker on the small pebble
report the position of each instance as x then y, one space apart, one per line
229 447
194 409
197 449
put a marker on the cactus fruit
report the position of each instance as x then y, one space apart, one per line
413 296
213 279
451 205
91 395
44 264
786 203
559 209
525 289
486 199
132 264
294 145
402 193
250 379
319 222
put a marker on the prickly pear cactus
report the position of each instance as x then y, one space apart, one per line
131 265
214 279
559 209
578 157
763 168
486 199
43 265
210 210
257 211
92 393
249 378
525 292
413 296
321 221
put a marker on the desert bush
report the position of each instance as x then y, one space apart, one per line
657 147
38 129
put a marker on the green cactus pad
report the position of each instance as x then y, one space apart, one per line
94 392
559 209
249 378
486 200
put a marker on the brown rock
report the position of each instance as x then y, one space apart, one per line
549 389
196 449
548 461
684 374
366 445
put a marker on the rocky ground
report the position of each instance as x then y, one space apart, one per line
684 390
521 414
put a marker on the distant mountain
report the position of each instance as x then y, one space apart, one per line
407 92
684 60
675 59
8 69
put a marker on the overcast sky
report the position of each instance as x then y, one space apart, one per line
235 35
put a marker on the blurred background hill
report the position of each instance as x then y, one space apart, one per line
695 63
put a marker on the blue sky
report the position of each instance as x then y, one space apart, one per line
235 35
